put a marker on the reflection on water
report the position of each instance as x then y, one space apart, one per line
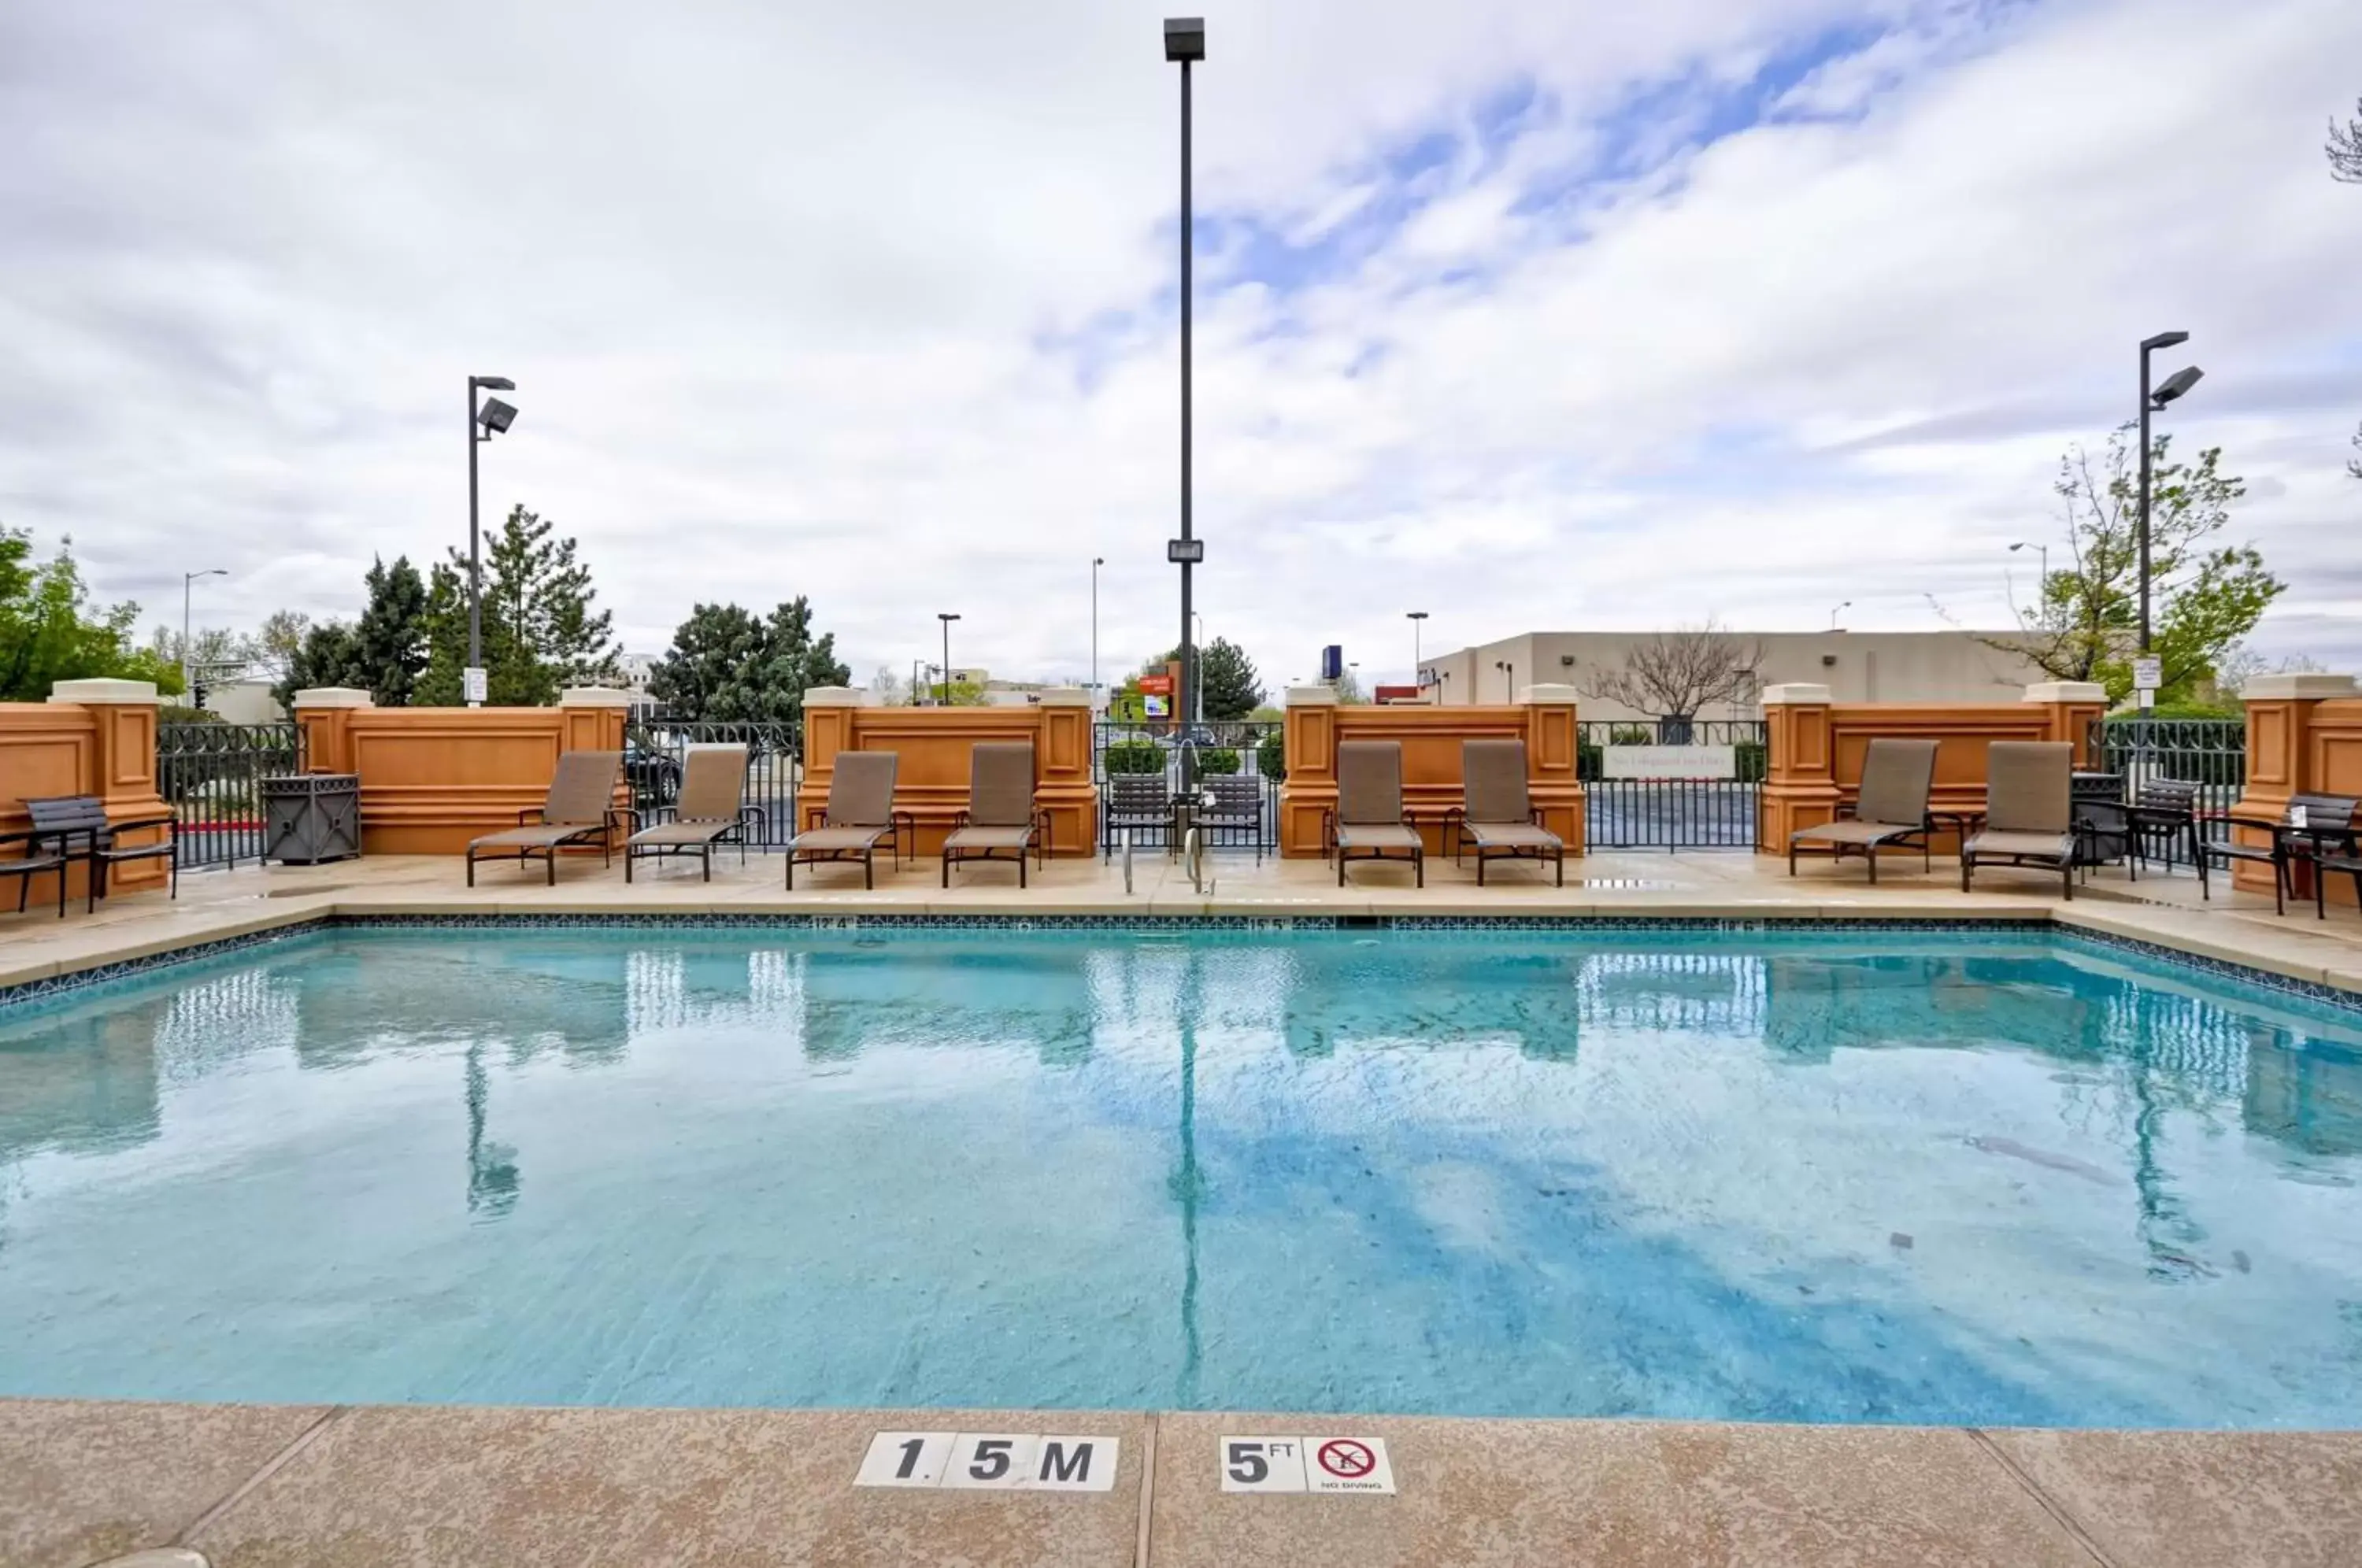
1958 1179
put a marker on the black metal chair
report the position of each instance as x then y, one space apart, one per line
2163 815
2280 854
74 827
1136 800
1234 802
30 865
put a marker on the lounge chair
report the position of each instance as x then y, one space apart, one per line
1000 818
1896 776
581 809
2029 811
2282 853
1498 816
860 813
707 810
1371 823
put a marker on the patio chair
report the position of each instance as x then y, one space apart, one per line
1369 821
579 808
1136 800
1001 820
707 809
1234 802
2281 853
1498 817
860 811
1891 808
74 827
2029 811
2322 865
31 864
2163 817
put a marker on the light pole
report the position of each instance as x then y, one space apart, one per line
2180 381
1096 562
2043 550
1837 611
947 618
1508 679
1185 43
1417 676
483 424
188 668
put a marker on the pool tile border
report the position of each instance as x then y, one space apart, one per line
50 986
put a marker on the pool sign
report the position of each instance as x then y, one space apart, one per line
1669 762
2149 673
991 1462
1350 1465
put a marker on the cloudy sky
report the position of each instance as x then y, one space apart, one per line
1569 315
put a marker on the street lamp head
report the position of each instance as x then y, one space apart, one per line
1099 560
946 615
2175 384
2163 340
495 416
495 383
1414 614
1185 39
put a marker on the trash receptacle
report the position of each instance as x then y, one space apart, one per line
308 818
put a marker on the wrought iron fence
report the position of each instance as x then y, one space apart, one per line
2209 753
1672 813
212 775
655 752
1237 748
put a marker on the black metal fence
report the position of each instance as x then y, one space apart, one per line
1672 813
2209 753
1243 747
211 775
655 752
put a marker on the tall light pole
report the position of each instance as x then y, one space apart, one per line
188 668
1096 562
2045 551
483 424
1418 674
1837 611
2180 381
947 618
1185 43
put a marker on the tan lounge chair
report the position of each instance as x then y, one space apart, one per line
709 810
1001 820
580 808
1498 816
1371 823
860 813
1896 776
2029 811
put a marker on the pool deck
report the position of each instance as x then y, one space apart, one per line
250 1486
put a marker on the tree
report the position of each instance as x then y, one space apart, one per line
2344 147
725 664
1228 685
210 649
2205 597
49 631
276 644
540 634
330 655
887 687
1674 675
389 643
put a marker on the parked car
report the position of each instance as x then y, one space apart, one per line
656 777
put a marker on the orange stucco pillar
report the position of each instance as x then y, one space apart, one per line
1800 783
829 715
1308 793
1553 786
1063 785
2281 757
123 765
2070 709
323 715
592 718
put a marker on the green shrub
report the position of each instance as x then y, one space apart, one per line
1270 756
1631 734
1217 759
1135 756
1753 761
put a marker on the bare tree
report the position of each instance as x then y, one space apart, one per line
1671 675
2344 147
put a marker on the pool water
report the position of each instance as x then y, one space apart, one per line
2007 1178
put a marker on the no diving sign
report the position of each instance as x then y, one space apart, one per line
1331 1465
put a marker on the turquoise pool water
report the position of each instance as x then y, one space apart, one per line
1868 1176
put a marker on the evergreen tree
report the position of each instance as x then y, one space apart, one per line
389 640
1232 687
539 630
725 664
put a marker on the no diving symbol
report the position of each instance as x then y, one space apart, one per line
1345 1459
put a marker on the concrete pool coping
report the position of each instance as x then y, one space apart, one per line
277 1486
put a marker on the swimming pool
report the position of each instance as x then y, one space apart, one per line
2000 1176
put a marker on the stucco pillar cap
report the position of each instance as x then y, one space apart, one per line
2066 691
103 689
1066 697
333 696
834 697
593 697
2308 687
1796 694
1547 693
1311 696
